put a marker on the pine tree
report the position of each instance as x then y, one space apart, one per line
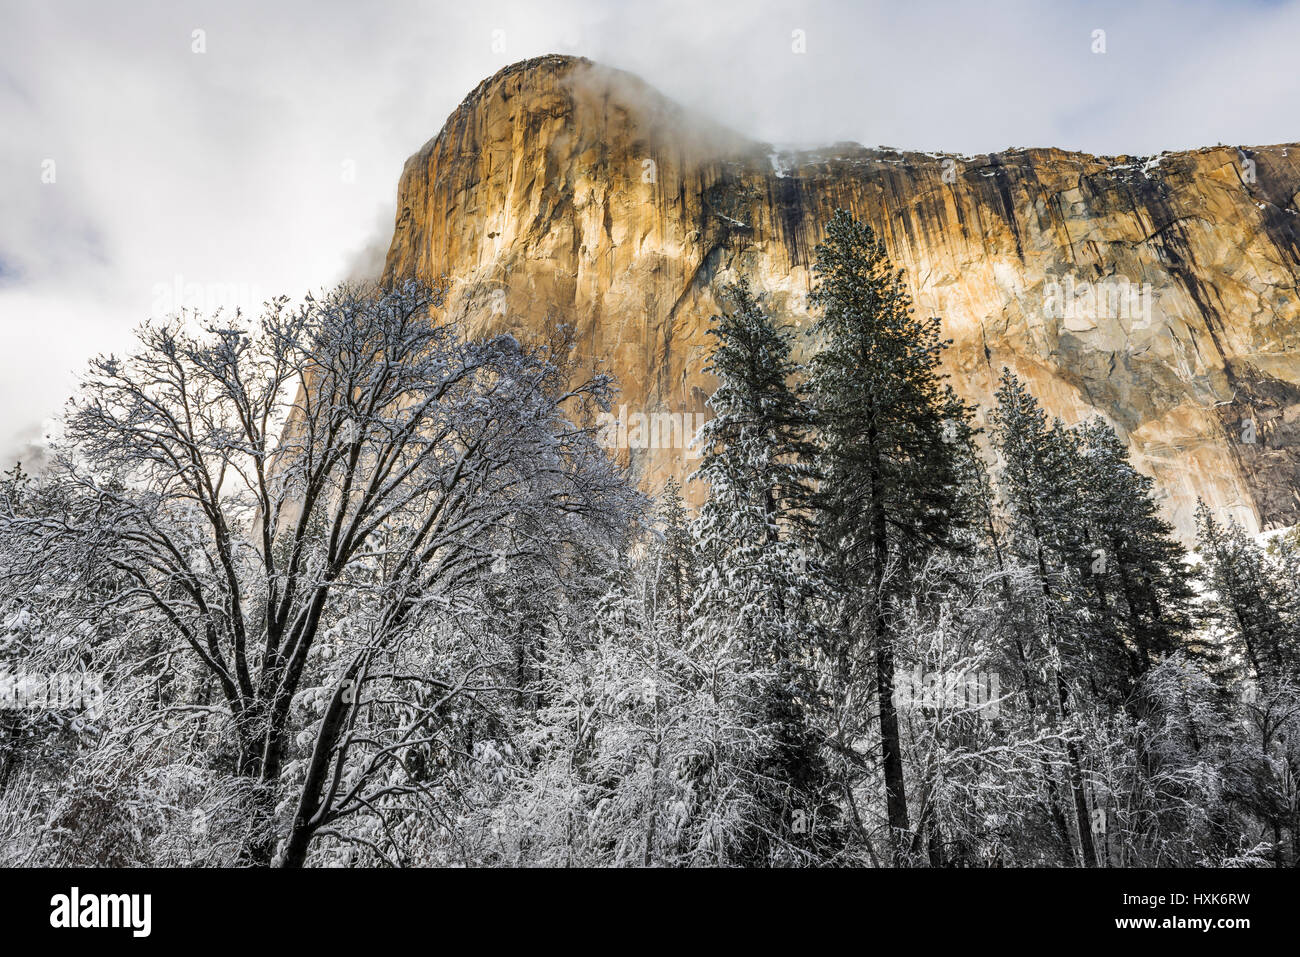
751 459
752 444
1037 481
759 588
889 481
1019 633
1245 598
1134 566
674 585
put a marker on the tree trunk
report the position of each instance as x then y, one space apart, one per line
1053 792
890 744
312 800
253 726
891 749
11 752
1086 846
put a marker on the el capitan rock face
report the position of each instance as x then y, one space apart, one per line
1158 292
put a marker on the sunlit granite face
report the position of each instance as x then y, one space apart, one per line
1159 292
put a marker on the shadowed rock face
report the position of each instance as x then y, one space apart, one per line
1160 293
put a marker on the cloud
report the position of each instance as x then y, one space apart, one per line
260 162
29 450
366 263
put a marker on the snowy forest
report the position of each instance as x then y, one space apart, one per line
346 587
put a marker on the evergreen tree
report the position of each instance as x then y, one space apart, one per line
1134 566
674 583
1037 482
1246 599
759 591
889 481
752 444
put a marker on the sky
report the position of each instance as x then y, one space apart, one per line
214 154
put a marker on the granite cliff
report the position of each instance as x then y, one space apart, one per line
1159 292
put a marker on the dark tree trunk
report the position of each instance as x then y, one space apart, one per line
890 744
1086 846
313 800
1086 849
891 750
10 758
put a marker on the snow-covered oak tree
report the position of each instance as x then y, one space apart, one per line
292 505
